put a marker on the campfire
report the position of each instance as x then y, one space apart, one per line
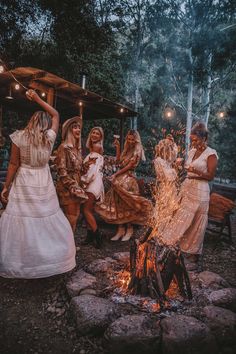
154 268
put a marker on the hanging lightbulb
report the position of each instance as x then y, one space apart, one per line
43 94
221 114
122 110
1 69
80 103
9 97
17 87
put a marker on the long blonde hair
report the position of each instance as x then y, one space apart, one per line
136 150
89 144
167 150
36 129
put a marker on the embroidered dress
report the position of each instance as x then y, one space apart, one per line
93 179
36 239
69 164
189 223
123 202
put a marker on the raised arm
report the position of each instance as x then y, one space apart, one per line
33 96
11 172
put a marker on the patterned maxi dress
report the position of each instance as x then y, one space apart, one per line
189 223
123 202
36 239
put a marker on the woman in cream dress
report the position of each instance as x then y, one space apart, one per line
167 200
189 223
93 183
36 239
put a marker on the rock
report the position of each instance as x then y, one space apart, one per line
122 257
101 265
88 292
224 298
185 334
92 314
222 323
134 334
212 280
79 282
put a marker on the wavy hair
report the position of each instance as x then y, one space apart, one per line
36 129
136 150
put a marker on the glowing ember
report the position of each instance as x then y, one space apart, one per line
122 280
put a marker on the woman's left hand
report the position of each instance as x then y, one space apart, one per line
4 195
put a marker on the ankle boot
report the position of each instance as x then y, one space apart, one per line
98 238
89 238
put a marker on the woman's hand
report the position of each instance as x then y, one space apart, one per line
32 95
4 195
116 143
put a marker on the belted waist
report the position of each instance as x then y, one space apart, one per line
33 167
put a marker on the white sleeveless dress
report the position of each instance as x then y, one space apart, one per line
36 239
189 223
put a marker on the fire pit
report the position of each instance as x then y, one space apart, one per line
154 266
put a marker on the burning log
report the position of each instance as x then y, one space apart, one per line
153 266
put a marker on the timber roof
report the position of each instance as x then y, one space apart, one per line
67 95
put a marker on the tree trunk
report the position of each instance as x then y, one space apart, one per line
190 102
208 90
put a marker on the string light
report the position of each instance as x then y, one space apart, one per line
43 94
17 87
122 110
221 114
80 103
1 69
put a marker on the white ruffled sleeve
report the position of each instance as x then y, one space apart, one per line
16 137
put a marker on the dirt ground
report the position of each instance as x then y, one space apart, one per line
27 326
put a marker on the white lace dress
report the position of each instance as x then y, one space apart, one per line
166 197
93 179
36 239
189 223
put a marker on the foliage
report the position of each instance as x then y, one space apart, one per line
136 51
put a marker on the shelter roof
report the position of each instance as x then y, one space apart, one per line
67 96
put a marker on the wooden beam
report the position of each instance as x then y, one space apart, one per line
50 96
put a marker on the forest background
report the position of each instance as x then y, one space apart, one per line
173 61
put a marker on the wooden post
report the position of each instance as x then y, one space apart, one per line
1 120
121 133
50 96
2 139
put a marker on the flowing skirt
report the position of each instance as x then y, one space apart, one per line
188 225
123 203
36 239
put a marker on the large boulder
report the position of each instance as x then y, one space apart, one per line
101 265
224 298
134 334
81 282
212 280
122 257
92 314
185 335
222 323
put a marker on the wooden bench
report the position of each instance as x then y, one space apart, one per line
221 209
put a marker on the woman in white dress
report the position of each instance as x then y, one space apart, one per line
189 223
92 182
36 239
166 196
